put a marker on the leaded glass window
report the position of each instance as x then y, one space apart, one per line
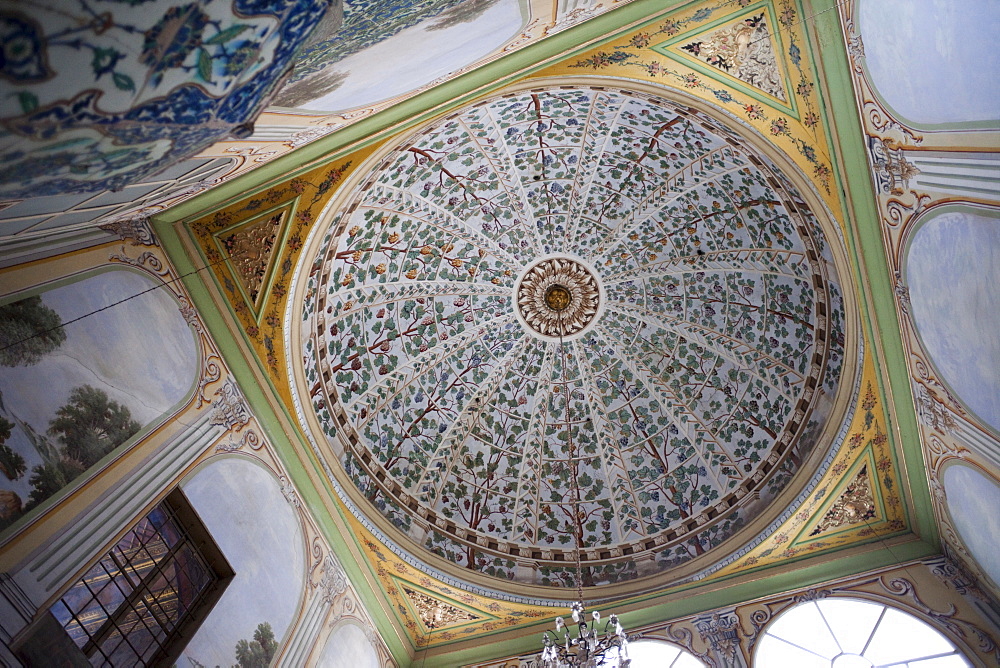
847 633
132 605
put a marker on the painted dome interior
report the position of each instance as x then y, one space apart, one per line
691 397
723 263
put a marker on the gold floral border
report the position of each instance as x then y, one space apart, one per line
868 438
392 570
306 195
802 137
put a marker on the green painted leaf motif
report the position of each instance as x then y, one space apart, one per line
28 100
123 82
225 35
204 65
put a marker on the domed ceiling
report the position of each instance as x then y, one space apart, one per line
682 370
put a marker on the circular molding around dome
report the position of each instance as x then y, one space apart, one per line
702 368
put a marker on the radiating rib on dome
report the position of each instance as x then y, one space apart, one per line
686 440
453 175
526 501
544 135
598 521
491 238
645 167
403 442
611 401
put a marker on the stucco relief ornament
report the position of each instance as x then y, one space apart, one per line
288 491
305 136
902 294
135 229
955 576
190 314
558 296
932 412
229 409
893 171
855 46
249 439
722 633
333 582
571 18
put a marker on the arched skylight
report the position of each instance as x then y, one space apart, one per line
847 633
656 654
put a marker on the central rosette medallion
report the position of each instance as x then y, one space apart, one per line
558 296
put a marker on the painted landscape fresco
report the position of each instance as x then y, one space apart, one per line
390 47
257 608
952 267
76 381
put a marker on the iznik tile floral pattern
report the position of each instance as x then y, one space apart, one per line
99 94
692 401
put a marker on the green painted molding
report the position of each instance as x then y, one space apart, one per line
430 103
655 613
871 266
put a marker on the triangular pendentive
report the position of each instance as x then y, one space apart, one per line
436 614
250 248
742 49
855 505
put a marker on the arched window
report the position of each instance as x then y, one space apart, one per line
848 633
656 654
140 604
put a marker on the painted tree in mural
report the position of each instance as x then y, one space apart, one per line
257 653
91 425
28 331
11 463
466 12
356 35
88 427
300 93
48 478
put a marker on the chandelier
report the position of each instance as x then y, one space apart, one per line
590 647
592 644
